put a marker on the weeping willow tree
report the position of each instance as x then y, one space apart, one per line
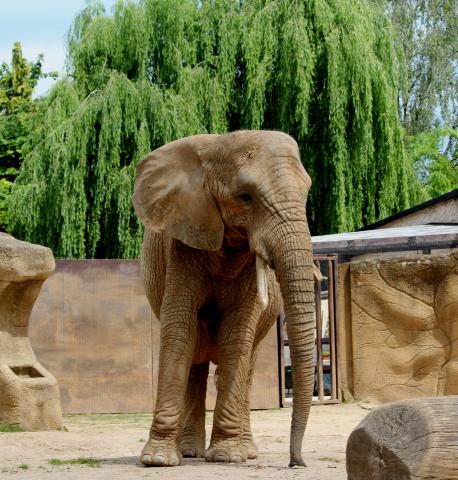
324 71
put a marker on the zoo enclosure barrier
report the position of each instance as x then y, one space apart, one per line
93 328
326 388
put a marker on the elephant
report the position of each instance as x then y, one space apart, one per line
226 249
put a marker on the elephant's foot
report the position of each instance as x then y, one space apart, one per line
192 441
192 447
227 450
192 452
160 452
250 446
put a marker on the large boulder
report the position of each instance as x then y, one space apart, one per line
29 394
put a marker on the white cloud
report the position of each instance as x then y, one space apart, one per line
54 54
43 86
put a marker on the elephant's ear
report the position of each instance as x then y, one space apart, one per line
169 193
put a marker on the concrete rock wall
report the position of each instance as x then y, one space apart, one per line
398 327
29 396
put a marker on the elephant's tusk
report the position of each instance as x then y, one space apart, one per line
261 281
317 274
215 378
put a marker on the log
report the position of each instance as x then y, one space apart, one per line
413 439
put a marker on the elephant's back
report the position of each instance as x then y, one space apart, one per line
155 251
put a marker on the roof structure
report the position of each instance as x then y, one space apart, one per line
417 237
429 203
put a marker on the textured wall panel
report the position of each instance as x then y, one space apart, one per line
399 327
93 328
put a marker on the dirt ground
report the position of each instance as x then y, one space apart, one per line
115 441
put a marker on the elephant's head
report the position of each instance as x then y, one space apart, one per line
243 186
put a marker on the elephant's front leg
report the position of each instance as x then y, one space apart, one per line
178 318
247 436
235 344
192 442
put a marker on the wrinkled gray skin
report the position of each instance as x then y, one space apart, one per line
226 239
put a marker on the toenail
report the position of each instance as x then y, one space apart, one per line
159 460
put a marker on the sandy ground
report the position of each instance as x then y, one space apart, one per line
116 441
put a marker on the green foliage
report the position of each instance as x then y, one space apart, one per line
16 109
324 71
427 38
89 461
17 81
437 170
8 428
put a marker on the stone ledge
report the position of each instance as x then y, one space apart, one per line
22 261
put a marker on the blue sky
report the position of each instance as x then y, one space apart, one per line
40 26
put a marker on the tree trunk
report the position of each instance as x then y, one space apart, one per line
413 439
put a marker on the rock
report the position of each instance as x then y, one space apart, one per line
29 394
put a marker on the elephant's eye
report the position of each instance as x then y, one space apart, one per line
245 197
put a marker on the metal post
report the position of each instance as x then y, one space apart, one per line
332 328
336 316
319 352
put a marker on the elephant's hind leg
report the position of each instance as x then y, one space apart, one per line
192 441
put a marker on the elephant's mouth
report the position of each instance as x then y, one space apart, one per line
235 237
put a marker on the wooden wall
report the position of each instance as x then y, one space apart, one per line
93 329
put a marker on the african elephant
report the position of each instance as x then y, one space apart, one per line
226 239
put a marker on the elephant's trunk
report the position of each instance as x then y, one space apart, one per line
293 262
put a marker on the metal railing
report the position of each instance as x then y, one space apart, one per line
326 389
326 369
